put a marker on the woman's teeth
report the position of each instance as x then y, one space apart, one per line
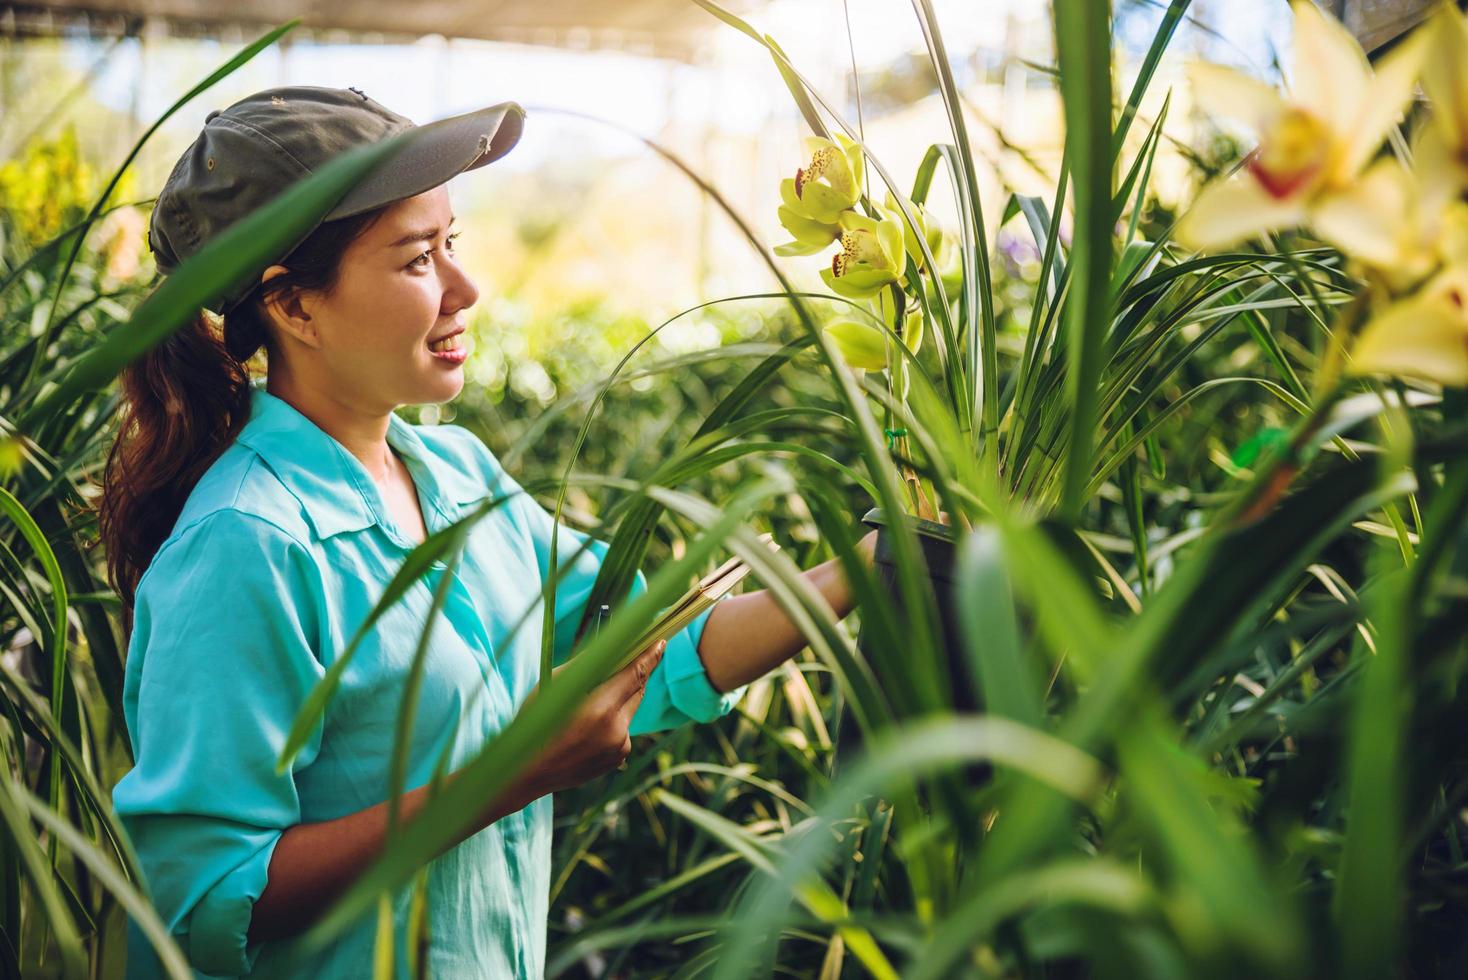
448 343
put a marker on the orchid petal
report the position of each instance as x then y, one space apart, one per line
1223 91
1366 124
822 203
855 162
808 230
788 197
799 248
1365 220
909 239
1331 72
1230 211
858 284
860 344
889 234
1422 337
856 221
1444 77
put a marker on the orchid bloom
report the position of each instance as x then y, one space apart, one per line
1312 145
811 236
1401 224
819 193
941 242
1425 335
871 255
860 344
1422 336
1445 80
864 345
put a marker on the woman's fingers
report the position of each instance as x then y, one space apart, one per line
632 681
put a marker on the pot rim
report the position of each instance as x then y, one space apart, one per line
877 518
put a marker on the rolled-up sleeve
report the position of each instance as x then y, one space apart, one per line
679 690
222 655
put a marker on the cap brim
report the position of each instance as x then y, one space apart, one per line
435 153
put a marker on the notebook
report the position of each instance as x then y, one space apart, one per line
709 590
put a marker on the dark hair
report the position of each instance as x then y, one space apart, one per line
186 399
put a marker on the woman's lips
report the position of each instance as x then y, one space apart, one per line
457 356
451 348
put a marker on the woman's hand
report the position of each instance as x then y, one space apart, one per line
314 862
596 740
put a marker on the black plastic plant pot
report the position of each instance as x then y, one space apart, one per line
939 544
940 548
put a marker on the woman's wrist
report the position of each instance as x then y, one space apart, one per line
522 791
842 602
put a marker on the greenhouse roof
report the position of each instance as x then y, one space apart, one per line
659 28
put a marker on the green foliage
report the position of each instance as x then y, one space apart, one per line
1212 600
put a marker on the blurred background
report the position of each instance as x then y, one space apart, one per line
583 237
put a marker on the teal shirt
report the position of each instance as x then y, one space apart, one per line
279 553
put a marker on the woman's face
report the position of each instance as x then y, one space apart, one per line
399 287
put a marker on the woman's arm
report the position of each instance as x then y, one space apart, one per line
749 635
313 863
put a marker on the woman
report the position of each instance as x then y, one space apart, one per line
251 527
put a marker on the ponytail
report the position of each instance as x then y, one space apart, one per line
185 401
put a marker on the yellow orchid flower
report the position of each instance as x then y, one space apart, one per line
1445 80
861 345
871 255
1395 222
1311 145
941 242
1423 336
811 236
814 199
832 182
864 345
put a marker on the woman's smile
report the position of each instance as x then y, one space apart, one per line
450 349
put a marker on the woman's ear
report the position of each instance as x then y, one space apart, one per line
286 311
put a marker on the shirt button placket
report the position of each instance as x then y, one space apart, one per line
463 616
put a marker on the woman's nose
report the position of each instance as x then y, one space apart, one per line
462 293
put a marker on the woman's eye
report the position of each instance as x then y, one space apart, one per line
420 261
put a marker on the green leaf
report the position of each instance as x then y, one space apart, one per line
892 761
996 652
1083 41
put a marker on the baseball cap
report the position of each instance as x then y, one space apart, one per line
250 152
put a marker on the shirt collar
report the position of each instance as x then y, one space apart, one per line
334 487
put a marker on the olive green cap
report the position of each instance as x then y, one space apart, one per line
249 153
